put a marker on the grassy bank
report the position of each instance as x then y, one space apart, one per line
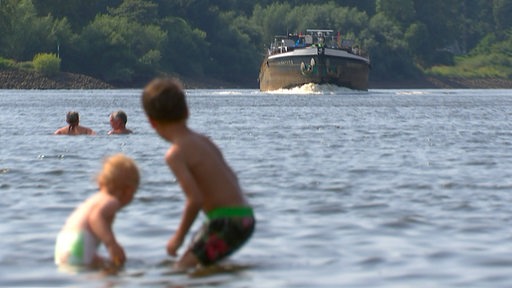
440 82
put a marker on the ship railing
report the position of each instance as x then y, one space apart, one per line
315 38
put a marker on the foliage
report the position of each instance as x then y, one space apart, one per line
491 58
125 41
184 43
233 53
46 64
25 34
401 11
502 9
78 12
486 66
7 63
144 12
25 65
119 50
348 21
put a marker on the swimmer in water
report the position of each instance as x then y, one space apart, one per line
118 121
90 224
73 127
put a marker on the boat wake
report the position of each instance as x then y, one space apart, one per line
312 88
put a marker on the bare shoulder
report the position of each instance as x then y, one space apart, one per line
60 131
188 150
105 205
199 144
173 154
200 140
210 146
89 131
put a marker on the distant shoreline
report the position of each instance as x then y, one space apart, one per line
17 79
444 83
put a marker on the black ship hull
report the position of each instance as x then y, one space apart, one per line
317 57
314 65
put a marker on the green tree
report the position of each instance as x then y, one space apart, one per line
231 49
269 20
78 12
126 40
476 21
141 11
47 63
186 51
401 11
502 11
119 50
24 33
280 19
441 19
390 53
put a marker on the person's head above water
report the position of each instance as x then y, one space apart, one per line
72 118
118 121
119 115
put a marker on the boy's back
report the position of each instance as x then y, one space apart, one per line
216 181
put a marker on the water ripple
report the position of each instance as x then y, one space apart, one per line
385 188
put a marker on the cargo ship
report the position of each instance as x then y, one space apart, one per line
318 57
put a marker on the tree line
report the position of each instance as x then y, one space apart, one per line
130 41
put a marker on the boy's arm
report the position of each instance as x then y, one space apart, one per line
100 221
193 203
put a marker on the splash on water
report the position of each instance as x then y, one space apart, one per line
312 88
408 92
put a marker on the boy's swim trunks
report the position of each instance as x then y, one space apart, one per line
226 230
75 248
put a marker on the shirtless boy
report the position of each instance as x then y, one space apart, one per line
74 128
91 223
207 181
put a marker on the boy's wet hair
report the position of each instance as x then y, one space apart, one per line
72 117
164 100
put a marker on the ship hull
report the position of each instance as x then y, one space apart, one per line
314 65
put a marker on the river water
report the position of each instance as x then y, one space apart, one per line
385 188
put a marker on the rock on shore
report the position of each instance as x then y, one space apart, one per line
17 79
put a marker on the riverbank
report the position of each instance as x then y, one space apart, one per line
444 83
17 79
